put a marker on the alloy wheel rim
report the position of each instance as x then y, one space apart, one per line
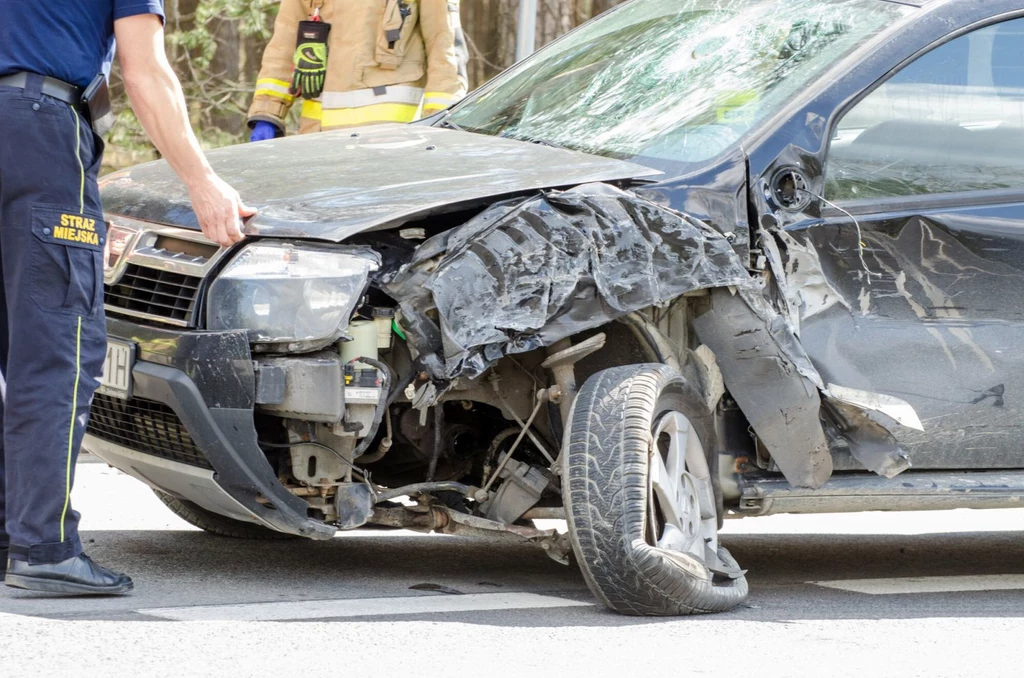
681 512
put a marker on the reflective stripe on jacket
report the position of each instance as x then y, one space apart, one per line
370 78
398 103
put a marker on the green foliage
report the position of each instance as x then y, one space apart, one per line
251 19
215 50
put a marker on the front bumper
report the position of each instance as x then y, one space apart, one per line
207 380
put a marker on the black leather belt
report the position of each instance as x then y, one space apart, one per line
52 87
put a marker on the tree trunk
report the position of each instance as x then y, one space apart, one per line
491 27
554 19
226 66
601 6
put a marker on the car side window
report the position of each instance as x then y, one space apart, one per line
951 121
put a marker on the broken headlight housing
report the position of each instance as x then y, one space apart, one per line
285 293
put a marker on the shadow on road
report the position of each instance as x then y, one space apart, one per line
192 568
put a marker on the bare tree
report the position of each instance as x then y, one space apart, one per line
491 26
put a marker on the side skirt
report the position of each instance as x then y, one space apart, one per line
911 491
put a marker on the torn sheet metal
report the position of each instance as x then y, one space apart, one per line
783 334
528 272
804 290
525 274
938 325
896 409
782 405
808 290
869 442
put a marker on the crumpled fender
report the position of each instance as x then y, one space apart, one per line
781 404
531 271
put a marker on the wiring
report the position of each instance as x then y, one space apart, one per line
860 233
302 443
382 404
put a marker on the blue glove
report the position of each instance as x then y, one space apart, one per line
263 130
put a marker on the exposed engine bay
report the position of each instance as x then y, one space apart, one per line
455 377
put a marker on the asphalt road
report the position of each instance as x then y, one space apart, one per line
933 594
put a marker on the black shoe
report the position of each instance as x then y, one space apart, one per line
3 562
73 577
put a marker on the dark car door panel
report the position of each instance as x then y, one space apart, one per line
936 318
910 215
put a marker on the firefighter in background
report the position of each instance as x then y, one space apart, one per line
359 62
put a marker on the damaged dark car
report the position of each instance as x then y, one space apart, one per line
698 260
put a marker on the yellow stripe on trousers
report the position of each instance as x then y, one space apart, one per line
348 117
78 338
71 432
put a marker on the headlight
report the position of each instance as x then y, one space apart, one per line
284 293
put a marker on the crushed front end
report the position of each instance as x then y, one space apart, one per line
178 403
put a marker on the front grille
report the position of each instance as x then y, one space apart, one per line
155 293
144 426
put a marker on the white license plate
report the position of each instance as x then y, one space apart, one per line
117 370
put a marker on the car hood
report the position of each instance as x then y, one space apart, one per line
336 184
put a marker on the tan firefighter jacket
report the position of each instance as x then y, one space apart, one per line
369 79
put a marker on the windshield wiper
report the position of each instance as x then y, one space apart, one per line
447 123
531 140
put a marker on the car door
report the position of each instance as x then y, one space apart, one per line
920 249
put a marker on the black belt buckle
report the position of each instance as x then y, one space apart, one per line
96 100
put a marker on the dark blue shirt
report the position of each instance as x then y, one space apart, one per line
71 40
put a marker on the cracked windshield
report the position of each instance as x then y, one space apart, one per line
673 81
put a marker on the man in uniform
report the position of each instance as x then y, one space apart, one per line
52 235
359 62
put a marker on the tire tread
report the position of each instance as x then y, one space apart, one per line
605 492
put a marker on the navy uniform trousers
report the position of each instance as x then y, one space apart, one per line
52 326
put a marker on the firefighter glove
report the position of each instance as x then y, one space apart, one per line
310 59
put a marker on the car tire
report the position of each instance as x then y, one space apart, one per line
636 558
208 521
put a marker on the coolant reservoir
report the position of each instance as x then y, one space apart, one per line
363 391
383 317
363 343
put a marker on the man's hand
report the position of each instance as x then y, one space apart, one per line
159 104
219 209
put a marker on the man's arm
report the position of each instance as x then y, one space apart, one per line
159 104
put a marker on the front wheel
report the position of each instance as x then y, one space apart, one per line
639 496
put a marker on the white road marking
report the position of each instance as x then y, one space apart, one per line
905 585
363 607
